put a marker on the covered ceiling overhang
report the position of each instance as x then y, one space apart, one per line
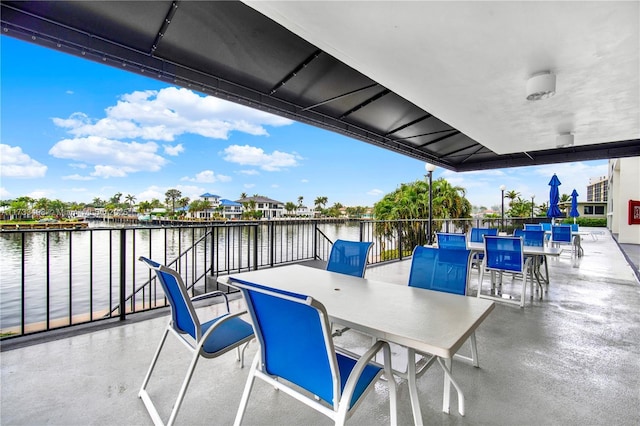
229 50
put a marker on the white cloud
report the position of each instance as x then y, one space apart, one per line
275 185
69 92
17 164
375 192
304 180
249 185
173 150
168 113
253 156
110 158
77 177
251 172
41 193
4 193
78 165
151 193
207 176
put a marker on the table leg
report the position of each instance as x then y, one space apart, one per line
413 388
448 381
446 396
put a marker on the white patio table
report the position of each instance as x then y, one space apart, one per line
421 320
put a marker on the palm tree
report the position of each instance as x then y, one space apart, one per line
144 206
97 202
512 196
130 199
320 202
243 195
173 195
564 199
116 198
289 207
300 198
411 201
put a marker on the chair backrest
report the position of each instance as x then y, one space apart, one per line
533 238
533 227
518 232
574 227
546 226
504 253
349 257
183 315
440 269
452 241
477 233
561 233
295 339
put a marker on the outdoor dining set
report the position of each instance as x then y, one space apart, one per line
296 314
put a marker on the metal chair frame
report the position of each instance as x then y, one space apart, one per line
284 359
209 340
497 260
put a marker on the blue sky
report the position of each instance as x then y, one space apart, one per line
73 130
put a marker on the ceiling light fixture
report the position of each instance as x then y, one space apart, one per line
541 85
564 140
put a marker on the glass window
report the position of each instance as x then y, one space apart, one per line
588 209
599 209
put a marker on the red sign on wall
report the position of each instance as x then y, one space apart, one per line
634 212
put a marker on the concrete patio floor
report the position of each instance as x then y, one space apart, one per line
572 358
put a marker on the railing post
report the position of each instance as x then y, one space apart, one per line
272 244
255 247
400 240
315 239
123 271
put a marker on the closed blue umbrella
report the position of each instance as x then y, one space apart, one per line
574 205
554 198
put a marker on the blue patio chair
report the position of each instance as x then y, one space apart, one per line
561 235
575 227
533 227
445 270
546 226
476 237
349 257
209 339
298 357
503 254
452 240
536 238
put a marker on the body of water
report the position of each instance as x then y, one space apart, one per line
62 275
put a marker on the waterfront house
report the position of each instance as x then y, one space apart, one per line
269 209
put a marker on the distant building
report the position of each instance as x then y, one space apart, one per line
270 209
209 213
597 189
304 211
587 209
231 210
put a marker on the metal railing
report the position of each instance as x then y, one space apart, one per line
52 279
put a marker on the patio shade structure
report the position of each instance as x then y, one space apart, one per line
554 198
574 205
429 99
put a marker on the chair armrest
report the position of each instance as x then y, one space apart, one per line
350 386
222 320
212 294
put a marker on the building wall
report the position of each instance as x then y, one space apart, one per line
624 185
